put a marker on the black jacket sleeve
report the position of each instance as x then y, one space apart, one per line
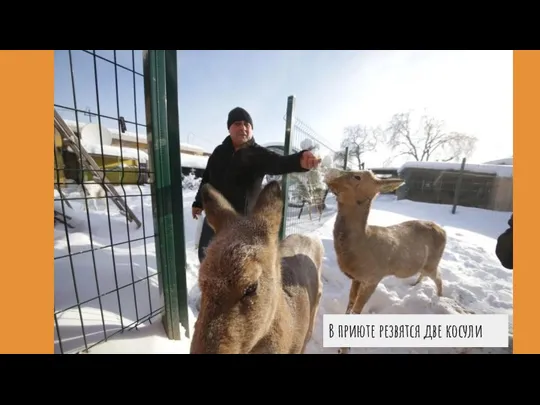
505 246
205 178
265 161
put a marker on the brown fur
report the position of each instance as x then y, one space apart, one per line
368 253
258 295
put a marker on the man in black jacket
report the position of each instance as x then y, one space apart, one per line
237 167
505 245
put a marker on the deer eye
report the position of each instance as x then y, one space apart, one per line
250 290
357 177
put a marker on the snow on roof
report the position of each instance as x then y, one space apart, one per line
133 137
191 147
193 161
505 161
110 150
190 161
499 170
126 136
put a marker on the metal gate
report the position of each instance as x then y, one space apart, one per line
119 233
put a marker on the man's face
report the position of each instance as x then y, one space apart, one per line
241 132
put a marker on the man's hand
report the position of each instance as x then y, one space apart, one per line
309 160
195 212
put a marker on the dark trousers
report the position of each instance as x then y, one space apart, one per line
207 233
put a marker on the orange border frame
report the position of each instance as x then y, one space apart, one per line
27 96
526 145
27 297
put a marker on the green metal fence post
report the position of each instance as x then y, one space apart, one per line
287 151
161 99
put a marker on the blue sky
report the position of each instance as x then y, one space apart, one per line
470 90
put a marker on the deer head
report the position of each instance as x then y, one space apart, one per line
240 276
352 187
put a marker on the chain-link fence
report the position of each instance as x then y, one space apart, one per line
109 274
308 200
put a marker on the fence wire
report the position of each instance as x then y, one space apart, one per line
105 266
309 201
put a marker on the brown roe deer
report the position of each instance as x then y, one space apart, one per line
368 253
258 294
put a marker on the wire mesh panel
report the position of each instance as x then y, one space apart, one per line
105 260
308 200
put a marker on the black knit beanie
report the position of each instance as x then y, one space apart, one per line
238 114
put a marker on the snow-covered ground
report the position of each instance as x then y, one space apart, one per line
473 278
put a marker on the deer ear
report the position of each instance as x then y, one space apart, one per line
269 206
390 185
219 212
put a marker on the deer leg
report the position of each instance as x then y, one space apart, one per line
313 318
365 290
352 295
353 292
436 277
363 294
420 278
433 273
438 283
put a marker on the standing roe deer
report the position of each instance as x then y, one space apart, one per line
368 253
258 295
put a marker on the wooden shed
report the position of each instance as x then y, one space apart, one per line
482 185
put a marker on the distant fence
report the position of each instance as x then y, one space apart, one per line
119 235
468 185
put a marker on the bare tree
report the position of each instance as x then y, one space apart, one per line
430 141
359 139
